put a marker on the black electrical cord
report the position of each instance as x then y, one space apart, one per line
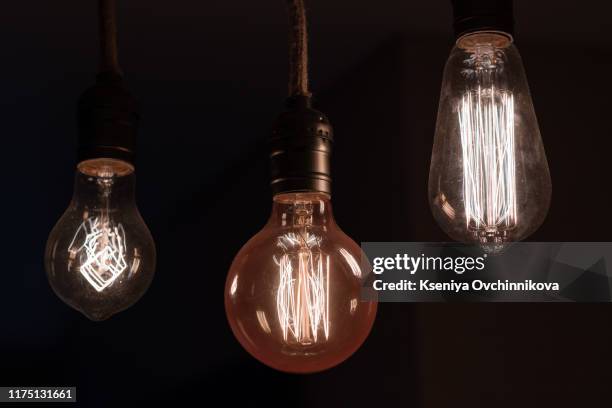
298 49
107 13
302 138
107 113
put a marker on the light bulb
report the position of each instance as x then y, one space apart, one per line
489 181
100 256
293 292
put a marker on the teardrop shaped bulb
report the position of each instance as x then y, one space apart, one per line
293 295
489 181
100 256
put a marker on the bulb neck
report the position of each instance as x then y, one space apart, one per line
482 15
104 184
301 210
483 40
300 149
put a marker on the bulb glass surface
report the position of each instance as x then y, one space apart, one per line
293 292
100 256
489 181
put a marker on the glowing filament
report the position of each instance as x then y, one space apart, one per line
303 293
102 253
486 122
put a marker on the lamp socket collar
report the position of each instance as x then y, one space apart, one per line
107 119
471 16
300 149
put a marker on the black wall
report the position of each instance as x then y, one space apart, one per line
211 78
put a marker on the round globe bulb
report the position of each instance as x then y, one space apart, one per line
293 295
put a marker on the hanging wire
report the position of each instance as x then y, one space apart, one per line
107 13
298 49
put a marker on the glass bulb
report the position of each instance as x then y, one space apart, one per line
293 292
489 181
100 256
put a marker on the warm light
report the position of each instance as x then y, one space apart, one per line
103 249
303 291
100 256
486 123
300 278
489 181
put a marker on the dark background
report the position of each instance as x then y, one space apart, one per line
212 77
